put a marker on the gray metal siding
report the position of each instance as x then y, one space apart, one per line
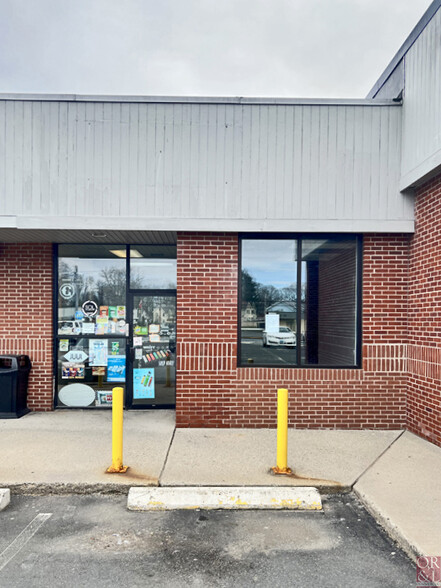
393 85
201 166
422 106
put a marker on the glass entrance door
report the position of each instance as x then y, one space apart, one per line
153 351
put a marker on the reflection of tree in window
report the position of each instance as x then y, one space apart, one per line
108 287
138 281
260 297
111 286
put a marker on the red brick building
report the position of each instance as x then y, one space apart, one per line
202 253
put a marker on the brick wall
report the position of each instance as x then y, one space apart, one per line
26 313
213 392
424 386
401 336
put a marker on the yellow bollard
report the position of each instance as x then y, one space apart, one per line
282 433
117 466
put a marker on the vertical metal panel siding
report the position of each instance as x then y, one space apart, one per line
422 103
90 159
393 85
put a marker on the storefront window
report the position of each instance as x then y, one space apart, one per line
112 324
269 291
92 324
299 301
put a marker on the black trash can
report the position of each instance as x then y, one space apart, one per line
14 376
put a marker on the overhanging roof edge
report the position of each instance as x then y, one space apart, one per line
198 99
415 33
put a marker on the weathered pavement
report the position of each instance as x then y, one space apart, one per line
82 541
396 474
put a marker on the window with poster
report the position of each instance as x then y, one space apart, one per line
96 323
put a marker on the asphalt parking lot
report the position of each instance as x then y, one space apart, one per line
94 541
254 349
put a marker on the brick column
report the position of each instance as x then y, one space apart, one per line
26 313
206 327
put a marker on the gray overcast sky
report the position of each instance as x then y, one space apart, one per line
284 48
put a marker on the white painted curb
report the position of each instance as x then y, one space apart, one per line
238 497
5 497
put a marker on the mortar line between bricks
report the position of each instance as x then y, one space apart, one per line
377 458
166 456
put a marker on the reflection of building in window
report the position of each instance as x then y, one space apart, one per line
249 316
331 310
287 312
164 311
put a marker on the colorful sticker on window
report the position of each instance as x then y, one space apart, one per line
143 383
64 344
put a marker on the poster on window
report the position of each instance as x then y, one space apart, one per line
72 371
97 352
272 322
143 383
116 368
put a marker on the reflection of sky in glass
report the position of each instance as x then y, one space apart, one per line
270 261
91 266
153 273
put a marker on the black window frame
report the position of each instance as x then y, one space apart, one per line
299 237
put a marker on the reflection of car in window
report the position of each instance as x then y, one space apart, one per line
69 327
284 337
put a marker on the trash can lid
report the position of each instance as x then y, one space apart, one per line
8 362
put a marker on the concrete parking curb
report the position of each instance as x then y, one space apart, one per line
239 497
5 497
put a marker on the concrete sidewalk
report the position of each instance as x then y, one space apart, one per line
397 475
402 489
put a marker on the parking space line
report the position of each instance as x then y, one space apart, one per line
21 539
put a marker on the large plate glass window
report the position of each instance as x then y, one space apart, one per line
92 326
269 302
299 301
